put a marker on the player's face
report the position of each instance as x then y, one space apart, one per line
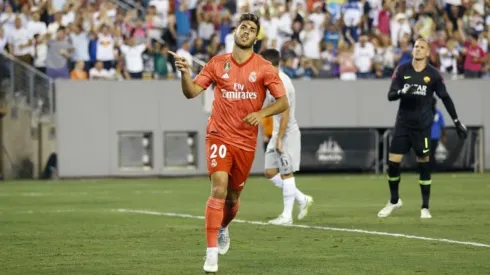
420 50
246 34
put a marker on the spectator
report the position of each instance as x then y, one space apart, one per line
40 51
363 56
35 26
346 60
80 41
311 42
289 26
3 40
332 35
133 57
20 42
448 56
474 58
328 57
183 21
199 51
308 70
399 27
79 72
59 52
352 14
7 20
105 47
54 26
98 72
153 24
185 52
206 27
160 57
229 41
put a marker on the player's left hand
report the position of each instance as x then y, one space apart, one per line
279 146
253 119
461 129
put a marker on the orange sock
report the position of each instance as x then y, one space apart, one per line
214 216
229 214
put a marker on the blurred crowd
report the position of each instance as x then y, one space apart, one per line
346 39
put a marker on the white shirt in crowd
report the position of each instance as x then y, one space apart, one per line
105 74
41 55
3 43
162 7
352 14
80 43
133 57
68 18
53 28
20 37
317 18
58 4
448 58
8 22
156 31
229 43
36 28
105 48
205 30
311 43
363 57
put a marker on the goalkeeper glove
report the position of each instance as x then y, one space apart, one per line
407 89
461 129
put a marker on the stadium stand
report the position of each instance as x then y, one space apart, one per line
346 39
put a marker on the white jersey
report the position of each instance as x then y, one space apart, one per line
291 95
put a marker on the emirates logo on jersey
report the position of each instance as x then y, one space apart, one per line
234 95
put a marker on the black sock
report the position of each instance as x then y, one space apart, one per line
425 182
394 180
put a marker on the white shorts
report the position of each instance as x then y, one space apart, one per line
290 160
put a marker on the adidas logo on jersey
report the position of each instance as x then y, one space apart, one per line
330 152
225 76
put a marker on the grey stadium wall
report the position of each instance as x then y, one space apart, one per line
90 114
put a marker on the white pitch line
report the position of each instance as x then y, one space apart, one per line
134 211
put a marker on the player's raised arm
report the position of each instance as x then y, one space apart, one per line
192 88
442 93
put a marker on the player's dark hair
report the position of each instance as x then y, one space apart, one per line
250 17
272 55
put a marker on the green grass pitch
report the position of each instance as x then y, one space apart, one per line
71 227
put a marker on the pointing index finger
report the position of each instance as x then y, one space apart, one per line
172 53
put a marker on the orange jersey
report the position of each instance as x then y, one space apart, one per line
240 89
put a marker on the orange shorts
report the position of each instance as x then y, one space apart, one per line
231 159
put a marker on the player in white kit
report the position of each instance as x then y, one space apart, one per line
283 153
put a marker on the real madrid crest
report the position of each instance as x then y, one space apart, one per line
426 79
252 77
227 66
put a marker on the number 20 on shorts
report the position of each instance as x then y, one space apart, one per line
217 151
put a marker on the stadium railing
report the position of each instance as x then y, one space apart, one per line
21 81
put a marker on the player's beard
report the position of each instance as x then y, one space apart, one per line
241 45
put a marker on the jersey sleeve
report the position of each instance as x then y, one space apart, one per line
206 76
396 84
396 80
273 82
440 86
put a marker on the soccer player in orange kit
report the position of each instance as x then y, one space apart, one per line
241 81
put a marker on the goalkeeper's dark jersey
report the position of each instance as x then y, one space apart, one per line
415 110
